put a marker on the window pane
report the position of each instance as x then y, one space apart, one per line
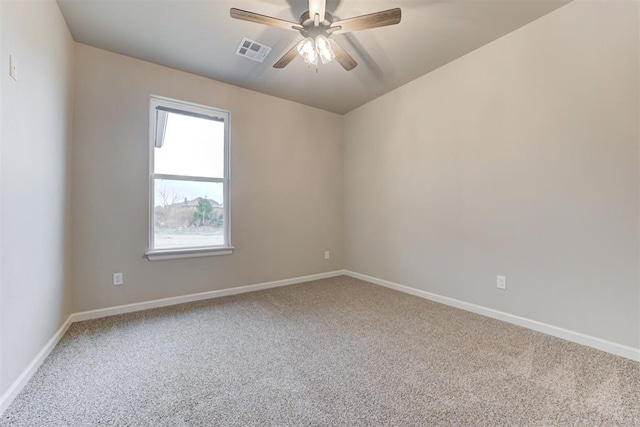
188 214
193 146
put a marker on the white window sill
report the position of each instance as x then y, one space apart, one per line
160 255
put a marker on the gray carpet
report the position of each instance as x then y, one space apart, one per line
327 353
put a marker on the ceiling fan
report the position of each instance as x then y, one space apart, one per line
317 26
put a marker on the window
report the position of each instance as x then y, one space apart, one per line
189 180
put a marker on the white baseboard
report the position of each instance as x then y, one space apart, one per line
577 337
25 376
139 306
17 386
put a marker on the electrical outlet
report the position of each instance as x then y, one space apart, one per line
327 255
13 67
501 282
117 279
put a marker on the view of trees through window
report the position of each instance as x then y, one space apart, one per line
186 217
188 180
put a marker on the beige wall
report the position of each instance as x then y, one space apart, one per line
286 185
3 386
518 159
35 189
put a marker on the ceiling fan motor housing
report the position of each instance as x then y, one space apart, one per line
310 30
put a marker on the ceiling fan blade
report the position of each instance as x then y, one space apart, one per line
287 57
263 19
372 20
317 6
343 58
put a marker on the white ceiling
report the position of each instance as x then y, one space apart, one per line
200 37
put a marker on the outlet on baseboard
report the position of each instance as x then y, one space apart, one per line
117 279
501 282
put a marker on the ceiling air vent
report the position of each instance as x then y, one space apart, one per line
252 50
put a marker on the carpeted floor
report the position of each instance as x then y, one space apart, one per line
328 353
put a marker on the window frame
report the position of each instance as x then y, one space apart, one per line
152 253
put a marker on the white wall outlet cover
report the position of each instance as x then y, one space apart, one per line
501 282
13 67
327 255
117 279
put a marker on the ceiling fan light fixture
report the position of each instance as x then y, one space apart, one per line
312 59
324 49
307 49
